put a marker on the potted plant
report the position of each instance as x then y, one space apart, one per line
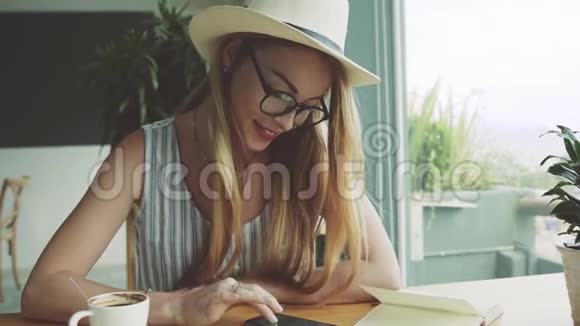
568 210
146 74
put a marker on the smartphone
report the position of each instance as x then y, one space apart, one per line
284 320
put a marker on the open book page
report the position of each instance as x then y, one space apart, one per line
430 306
423 301
477 295
385 314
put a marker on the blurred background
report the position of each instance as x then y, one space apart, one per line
494 75
468 88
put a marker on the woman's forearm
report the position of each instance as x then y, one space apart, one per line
371 274
55 298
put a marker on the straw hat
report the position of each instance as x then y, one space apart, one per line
319 24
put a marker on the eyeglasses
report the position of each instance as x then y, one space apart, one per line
277 103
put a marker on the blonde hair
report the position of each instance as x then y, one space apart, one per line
294 222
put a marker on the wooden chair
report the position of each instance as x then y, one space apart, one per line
8 224
131 246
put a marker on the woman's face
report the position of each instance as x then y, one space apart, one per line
300 71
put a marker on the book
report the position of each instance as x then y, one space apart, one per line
416 308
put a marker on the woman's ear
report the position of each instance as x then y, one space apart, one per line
230 53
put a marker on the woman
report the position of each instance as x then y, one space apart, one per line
261 151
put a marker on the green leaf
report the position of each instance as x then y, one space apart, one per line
152 62
555 199
154 80
571 142
551 157
550 192
562 193
552 132
568 132
561 170
570 149
142 105
123 105
567 209
563 184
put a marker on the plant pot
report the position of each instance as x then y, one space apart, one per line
571 260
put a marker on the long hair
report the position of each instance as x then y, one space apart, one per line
317 155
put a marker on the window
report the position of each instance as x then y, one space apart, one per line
485 78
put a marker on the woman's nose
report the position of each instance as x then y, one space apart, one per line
286 121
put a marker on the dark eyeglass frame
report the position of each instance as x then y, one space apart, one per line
269 91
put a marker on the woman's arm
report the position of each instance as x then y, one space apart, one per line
84 235
382 269
57 299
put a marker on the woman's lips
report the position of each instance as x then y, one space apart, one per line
264 132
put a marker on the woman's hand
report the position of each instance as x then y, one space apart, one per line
206 305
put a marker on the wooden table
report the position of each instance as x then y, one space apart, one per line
530 300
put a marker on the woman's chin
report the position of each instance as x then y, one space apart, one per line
254 142
257 145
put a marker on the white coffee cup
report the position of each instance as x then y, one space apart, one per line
115 309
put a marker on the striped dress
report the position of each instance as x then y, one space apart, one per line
169 229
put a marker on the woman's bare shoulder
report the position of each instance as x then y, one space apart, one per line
131 151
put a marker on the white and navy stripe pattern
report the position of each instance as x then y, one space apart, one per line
170 230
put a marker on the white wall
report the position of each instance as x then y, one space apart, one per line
59 178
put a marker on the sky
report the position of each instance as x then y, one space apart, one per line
524 56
